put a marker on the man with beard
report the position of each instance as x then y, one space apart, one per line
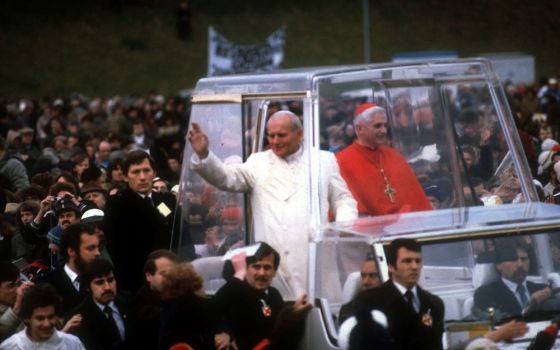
104 315
79 245
512 292
39 308
95 194
67 213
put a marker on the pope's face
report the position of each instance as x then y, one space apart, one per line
283 140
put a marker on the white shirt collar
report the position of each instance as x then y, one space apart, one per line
513 286
111 305
119 319
144 195
72 275
54 342
415 299
294 156
403 289
139 139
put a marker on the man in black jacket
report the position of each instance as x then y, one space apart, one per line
415 317
103 314
79 245
253 311
512 292
138 221
146 306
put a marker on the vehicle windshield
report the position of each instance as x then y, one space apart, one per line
451 130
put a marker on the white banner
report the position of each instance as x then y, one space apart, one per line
225 57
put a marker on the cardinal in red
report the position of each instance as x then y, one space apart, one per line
378 176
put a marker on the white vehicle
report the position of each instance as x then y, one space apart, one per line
424 102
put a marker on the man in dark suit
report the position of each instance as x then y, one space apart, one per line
369 278
79 245
253 311
415 317
146 305
138 221
103 315
512 292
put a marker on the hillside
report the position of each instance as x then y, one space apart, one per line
59 47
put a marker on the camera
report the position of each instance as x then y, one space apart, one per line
66 196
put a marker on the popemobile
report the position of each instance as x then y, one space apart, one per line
450 120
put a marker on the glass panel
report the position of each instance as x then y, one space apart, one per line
218 217
488 175
466 274
448 129
337 277
500 263
213 220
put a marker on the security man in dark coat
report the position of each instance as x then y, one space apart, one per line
415 317
254 312
138 221
512 292
104 321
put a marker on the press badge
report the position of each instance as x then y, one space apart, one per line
164 209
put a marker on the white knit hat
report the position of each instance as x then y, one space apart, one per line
545 160
547 144
93 215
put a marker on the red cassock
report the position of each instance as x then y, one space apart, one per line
362 168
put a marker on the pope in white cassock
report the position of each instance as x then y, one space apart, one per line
275 180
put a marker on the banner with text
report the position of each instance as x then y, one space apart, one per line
225 57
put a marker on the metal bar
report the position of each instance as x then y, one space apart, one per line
238 98
452 237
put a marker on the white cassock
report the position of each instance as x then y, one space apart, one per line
279 201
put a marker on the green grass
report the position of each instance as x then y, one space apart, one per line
50 48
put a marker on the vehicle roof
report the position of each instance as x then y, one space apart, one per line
301 79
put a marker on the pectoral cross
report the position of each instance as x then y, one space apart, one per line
390 191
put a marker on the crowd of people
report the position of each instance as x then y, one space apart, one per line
89 195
